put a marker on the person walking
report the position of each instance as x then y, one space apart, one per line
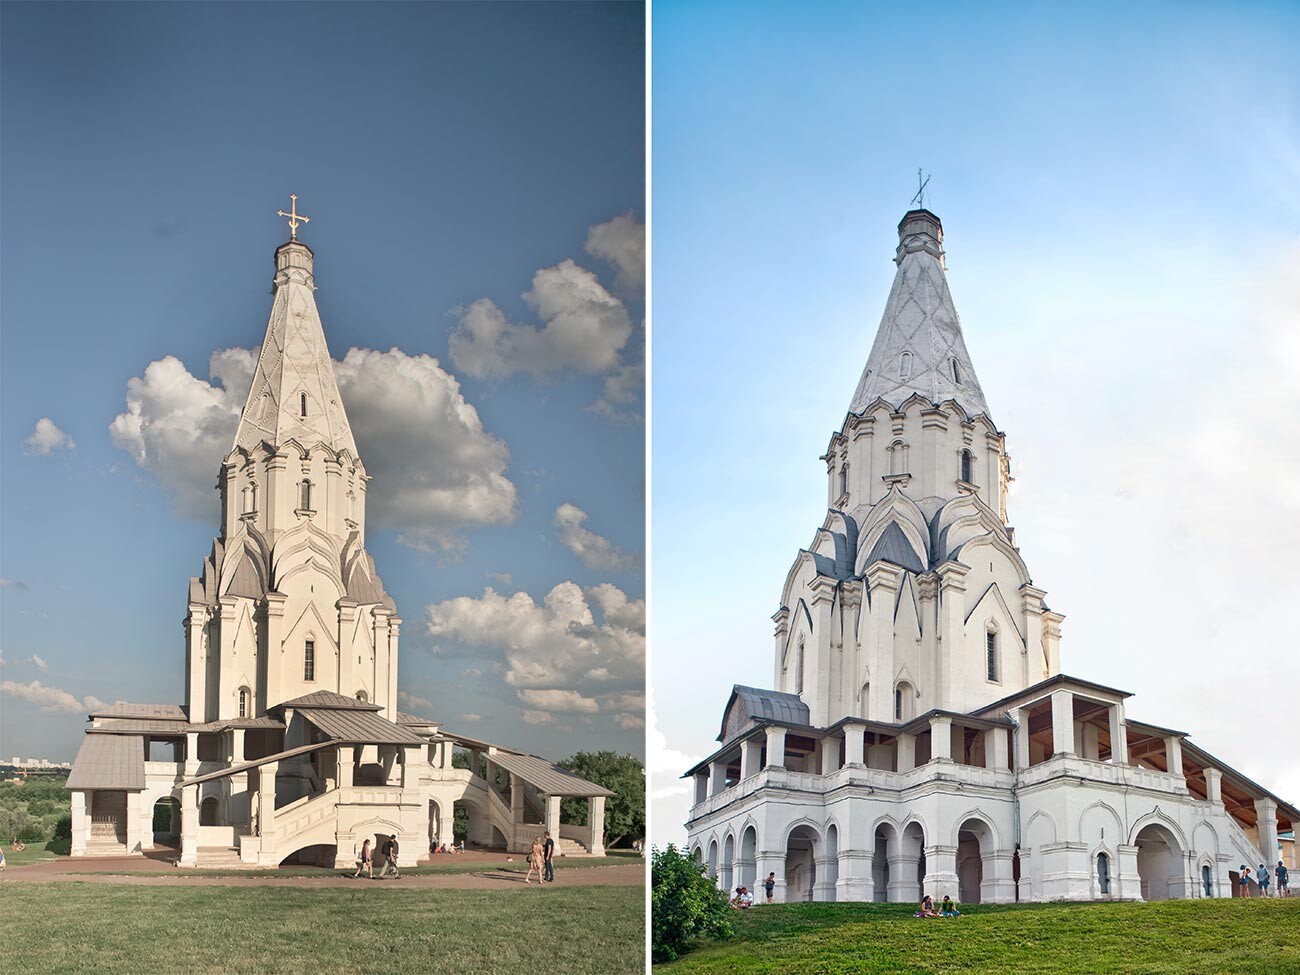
548 857
389 850
1243 880
1283 880
769 885
535 858
366 861
1262 879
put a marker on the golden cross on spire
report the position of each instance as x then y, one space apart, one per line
293 216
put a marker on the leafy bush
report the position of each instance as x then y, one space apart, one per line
685 905
623 775
63 828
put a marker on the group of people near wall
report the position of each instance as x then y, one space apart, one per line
388 849
1262 880
947 908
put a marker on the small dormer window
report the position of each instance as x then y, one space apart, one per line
905 365
302 403
956 373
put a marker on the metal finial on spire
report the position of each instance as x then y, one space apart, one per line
919 199
294 217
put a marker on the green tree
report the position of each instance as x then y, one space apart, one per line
685 905
625 810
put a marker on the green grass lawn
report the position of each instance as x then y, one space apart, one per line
1197 937
36 852
441 865
110 928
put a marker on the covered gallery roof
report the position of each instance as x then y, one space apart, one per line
357 725
758 704
329 699
548 777
108 762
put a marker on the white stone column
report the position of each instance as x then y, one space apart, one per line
906 753
770 861
998 885
516 799
394 632
1174 754
941 739
191 754
596 820
271 694
830 750
775 747
1022 738
410 756
80 823
1062 723
189 826
1127 883
268 854
854 881
854 739
1213 785
136 835
717 776
701 786
751 754
952 625
196 663
1266 829
1089 739
940 872
346 758
1118 735
553 816
882 585
995 748
823 889
350 679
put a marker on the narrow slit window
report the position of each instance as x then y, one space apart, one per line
991 653
844 479
302 404
309 660
905 365
243 702
306 494
966 466
898 704
956 373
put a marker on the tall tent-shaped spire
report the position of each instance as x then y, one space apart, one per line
294 395
919 347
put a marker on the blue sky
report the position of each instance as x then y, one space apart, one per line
446 154
1120 191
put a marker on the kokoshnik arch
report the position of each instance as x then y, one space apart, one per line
289 743
920 736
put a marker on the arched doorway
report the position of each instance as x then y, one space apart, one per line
208 811
1207 879
728 858
801 863
748 857
1159 862
713 858
884 838
974 845
437 835
166 821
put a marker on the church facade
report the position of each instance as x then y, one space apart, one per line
289 743
919 736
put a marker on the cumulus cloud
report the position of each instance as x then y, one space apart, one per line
38 663
421 705
629 721
553 645
50 698
559 700
436 470
585 328
595 551
621 243
622 390
537 717
47 438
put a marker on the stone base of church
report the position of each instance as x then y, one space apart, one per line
944 829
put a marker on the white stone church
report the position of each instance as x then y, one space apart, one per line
289 745
920 736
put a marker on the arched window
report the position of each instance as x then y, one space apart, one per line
991 654
956 372
903 697
898 457
966 460
306 494
898 704
252 495
309 660
243 702
243 504
1207 880
302 404
844 478
905 365
1103 873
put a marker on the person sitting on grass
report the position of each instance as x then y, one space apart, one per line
927 908
948 908
746 898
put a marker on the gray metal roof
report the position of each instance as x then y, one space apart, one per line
329 699
153 727
549 778
108 762
354 724
765 705
893 546
921 321
147 712
414 719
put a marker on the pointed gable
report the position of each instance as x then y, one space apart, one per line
893 546
919 348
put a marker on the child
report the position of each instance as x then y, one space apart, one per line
948 908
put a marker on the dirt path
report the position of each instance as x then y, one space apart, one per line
150 873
